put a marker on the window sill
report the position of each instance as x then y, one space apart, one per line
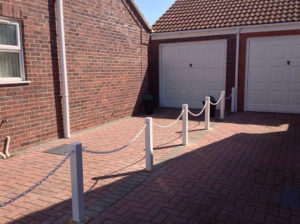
14 82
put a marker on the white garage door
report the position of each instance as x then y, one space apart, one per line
191 71
274 74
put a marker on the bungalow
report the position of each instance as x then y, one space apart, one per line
200 47
68 65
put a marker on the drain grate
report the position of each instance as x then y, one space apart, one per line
290 197
58 150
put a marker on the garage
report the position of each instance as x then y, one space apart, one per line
190 71
273 74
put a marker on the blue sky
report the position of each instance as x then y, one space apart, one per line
153 9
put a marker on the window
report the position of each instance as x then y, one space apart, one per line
11 53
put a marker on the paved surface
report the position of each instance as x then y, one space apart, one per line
232 174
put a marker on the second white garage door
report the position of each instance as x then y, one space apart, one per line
273 74
191 71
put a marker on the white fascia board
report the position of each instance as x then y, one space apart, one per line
226 31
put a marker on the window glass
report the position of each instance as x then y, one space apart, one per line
8 34
9 65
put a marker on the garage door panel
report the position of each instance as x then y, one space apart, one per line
295 76
213 75
257 53
169 77
196 76
278 50
257 75
256 97
277 75
193 71
294 97
196 94
196 98
276 97
296 52
274 84
169 94
181 94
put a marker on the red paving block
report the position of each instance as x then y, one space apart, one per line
232 174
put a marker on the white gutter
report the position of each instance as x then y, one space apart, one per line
64 74
226 30
237 55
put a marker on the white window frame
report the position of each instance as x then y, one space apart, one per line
15 49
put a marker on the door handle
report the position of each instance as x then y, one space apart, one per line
288 62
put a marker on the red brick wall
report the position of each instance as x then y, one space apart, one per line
107 62
242 59
154 62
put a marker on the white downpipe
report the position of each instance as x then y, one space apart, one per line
64 74
237 68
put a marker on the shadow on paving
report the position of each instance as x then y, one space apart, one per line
229 181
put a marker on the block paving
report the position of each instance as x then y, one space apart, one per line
233 173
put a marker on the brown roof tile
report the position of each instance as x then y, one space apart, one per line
204 14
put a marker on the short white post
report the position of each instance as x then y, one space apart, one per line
149 143
185 124
207 113
77 182
233 99
222 105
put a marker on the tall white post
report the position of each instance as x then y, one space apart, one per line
149 143
233 99
185 124
207 113
222 105
77 182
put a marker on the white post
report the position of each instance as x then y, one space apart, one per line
233 99
77 182
222 106
149 143
207 113
185 124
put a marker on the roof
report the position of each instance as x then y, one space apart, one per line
186 15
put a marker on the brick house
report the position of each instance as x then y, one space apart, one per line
106 62
200 47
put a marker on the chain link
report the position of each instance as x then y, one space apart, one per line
196 115
121 148
170 125
38 183
215 104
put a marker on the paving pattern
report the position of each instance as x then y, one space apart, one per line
233 173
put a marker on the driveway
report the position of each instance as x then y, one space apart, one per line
234 173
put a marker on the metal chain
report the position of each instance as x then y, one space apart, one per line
38 183
170 125
215 104
196 115
121 148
